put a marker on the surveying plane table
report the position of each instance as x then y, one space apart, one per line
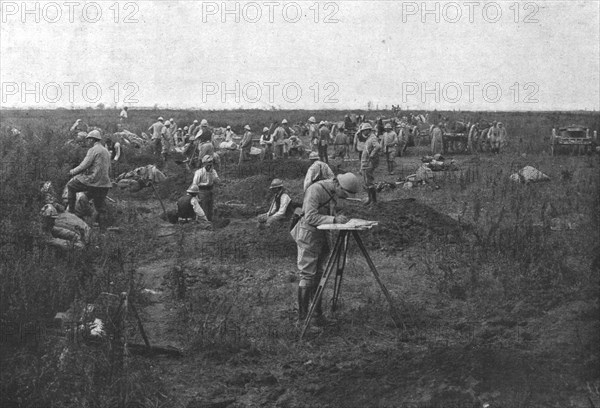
337 260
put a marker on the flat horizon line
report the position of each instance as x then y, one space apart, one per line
148 108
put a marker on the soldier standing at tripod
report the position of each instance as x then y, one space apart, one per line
318 208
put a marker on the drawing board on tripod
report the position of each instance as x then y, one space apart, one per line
354 224
337 261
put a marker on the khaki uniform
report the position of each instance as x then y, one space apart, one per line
278 209
341 145
318 208
497 138
437 145
359 143
370 159
245 146
92 176
316 172
205 180
157 130
313 136
390 144
278 138
324 136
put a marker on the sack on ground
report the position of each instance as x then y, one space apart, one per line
424 173
65 234
73 223
529 174
129 184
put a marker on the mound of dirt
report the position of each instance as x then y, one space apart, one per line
283 168
402 223
253 191
407 222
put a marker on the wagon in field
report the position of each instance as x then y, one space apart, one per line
416 135
573 139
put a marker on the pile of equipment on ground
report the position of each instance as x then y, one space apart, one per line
65 230
139 178
430 164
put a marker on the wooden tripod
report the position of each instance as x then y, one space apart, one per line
337 260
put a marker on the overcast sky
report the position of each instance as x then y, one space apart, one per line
504 55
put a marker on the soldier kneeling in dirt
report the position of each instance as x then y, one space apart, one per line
189 208
318 208
280 204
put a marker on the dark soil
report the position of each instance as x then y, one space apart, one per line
407 222
284 169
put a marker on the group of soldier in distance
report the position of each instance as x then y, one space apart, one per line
323 188
282 140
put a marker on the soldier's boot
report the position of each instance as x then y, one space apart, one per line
369 196
391 167
72 200
304 294
372 195
317 318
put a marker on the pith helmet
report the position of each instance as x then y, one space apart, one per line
207 159
247 127
349 182
312 119
265 129
94 134
193 189
283 122
366 126
160 119
204 122
313 156
276 183
388 126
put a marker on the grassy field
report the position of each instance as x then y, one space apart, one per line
496 282
528 130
